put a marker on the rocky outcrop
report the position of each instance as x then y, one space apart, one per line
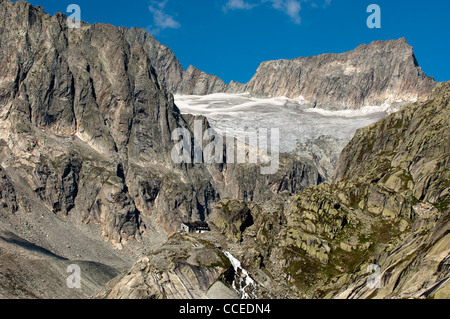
416 266
325 152
232 218
405 152
374 74
169 70
184 268
196 82
60 81
163 60
58 185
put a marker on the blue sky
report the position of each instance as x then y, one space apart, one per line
230 38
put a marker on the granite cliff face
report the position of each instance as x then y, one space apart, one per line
184 268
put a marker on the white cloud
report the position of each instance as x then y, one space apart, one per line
292 8
239 5
319 3
161 20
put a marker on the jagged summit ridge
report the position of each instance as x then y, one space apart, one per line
381 72
370 75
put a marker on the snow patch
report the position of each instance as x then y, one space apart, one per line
364 111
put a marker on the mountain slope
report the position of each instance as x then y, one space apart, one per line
169 69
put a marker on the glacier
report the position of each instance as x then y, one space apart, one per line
312 133
297 120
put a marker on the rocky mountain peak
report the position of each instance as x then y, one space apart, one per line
374 74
